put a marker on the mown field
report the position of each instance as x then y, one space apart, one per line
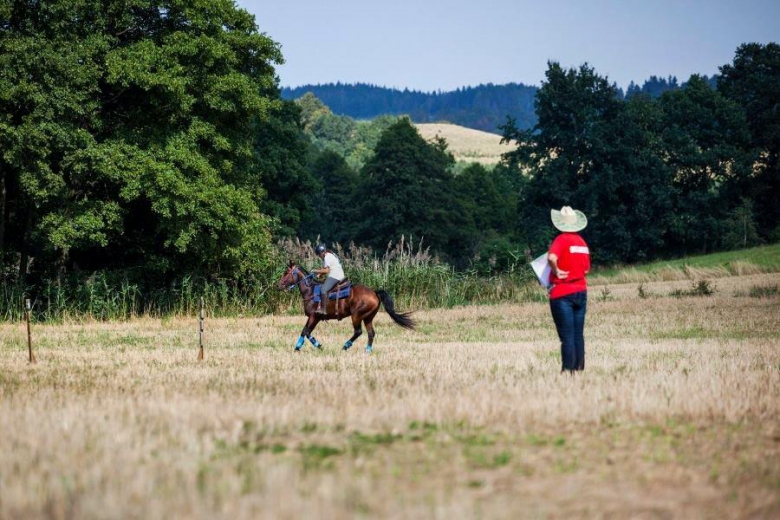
467 144
676 415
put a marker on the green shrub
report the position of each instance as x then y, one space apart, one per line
764 291
698 288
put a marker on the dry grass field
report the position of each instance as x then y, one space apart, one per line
676 415
467 144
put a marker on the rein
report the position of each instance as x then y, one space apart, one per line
305 279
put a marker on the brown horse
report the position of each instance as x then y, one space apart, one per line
361 305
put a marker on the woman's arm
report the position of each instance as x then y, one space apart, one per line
552 259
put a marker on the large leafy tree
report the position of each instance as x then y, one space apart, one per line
706 143
593 151
558 150
128 131
333 204
753 81
282 154
489 205
489 200
353 140
627 193
407 189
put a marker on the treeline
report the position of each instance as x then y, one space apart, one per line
408 188
693 170
352 139
484 107
655 86
690 170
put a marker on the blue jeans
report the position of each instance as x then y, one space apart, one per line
569 315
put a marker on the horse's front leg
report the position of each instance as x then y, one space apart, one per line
314 320
311 323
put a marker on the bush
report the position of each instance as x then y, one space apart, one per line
700 288
499 255
605 294
763 291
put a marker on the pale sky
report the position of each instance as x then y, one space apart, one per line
437 44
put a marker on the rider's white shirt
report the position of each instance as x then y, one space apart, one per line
331 261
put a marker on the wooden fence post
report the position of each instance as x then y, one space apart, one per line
200 331
28 308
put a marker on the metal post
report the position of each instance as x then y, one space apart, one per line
200 331
28 308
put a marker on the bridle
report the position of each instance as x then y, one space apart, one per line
296 283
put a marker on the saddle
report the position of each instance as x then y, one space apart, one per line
342 290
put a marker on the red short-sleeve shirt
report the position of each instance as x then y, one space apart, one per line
573 256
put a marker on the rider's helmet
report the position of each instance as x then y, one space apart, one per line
319 249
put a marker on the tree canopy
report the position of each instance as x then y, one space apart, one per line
407 189
753 82
137 133
655 176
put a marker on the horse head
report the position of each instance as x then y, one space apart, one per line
289 277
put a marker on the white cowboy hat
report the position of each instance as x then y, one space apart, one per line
568 220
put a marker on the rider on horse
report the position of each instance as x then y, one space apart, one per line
330 267
361 304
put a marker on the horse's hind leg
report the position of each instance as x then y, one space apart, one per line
358 331
370 328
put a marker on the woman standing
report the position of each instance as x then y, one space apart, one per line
569 259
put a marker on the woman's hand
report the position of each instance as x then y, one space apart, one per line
552 259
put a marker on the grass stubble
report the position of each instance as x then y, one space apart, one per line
676 415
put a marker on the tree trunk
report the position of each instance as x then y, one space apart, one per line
2 217
25 249
62 260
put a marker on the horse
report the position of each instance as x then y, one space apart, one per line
361 305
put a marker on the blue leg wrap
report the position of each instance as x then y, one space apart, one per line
369 349
347 345
315 342
299 343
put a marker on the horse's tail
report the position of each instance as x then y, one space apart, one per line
403 319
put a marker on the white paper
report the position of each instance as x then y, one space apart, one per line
542 270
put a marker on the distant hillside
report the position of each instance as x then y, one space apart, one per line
484 107
467 144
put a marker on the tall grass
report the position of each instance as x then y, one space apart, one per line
413 277
416 279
